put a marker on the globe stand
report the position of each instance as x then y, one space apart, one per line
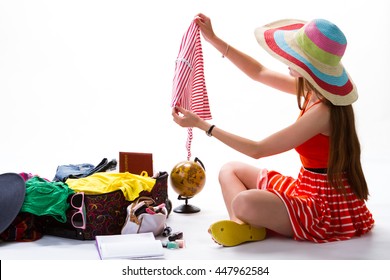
186 208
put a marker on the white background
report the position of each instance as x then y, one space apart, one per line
82 80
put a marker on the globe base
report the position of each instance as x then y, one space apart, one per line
186 208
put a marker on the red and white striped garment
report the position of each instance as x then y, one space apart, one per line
189 86
317 211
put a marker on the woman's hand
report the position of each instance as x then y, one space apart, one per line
206 28
185 118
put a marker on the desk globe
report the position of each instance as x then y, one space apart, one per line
188 179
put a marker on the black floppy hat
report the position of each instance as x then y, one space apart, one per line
12 192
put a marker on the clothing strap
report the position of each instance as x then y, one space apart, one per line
307 108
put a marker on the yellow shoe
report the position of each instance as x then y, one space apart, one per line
229 233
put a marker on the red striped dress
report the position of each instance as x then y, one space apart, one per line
189 86
318 212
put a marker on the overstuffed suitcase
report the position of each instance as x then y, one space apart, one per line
105 214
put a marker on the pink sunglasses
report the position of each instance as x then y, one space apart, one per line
78 217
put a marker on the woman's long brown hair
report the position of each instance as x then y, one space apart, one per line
344 150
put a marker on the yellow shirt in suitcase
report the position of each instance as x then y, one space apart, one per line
104 182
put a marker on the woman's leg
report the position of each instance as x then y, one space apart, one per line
245 203
235 177
261 208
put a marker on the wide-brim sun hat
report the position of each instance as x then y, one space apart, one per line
12 192
313 49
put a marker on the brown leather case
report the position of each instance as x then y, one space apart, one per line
135 163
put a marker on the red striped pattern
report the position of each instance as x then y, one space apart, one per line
189 86
317 212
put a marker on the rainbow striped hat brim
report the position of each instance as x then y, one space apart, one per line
314 49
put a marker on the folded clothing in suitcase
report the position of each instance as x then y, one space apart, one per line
101 214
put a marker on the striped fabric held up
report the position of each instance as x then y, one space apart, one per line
189 86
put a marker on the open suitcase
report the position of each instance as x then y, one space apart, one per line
105 214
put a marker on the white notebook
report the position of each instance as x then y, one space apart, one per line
129 246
